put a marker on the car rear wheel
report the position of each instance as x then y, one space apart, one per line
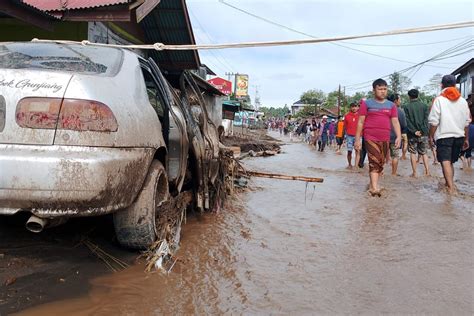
136 226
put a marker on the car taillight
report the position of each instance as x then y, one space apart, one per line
72 114
86 115
38 112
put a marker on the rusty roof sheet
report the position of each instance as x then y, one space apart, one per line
62 5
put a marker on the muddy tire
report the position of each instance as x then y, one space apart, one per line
135 226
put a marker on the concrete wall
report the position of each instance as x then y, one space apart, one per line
214 108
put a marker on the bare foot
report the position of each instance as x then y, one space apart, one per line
452 191
413 175
349 167
375 193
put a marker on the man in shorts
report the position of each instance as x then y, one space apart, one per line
417 130
449 119
395 151
376 116
339 134
350 126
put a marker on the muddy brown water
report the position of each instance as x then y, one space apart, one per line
287 247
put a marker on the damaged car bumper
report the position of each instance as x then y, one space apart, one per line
54 181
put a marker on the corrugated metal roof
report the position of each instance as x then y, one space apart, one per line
169 23
33 8
464 66
62 5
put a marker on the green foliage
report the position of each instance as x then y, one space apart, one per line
434 85
398 83
307 111
356 97
331 100
275 112
313 97
424 97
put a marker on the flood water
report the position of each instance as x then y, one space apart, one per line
288 247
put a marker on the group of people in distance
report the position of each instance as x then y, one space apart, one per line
377 126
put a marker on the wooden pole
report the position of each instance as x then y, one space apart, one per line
339 101
283 177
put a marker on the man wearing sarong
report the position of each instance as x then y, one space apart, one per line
376 116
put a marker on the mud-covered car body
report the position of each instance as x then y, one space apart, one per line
80 127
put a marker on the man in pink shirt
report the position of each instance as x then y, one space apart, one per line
376 117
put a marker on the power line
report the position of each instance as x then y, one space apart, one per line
443 55
448 53
401 45
216 61
225 63
187 47
312 36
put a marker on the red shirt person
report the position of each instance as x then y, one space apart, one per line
375 118
350 125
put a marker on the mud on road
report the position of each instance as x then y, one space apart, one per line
289 247
38 268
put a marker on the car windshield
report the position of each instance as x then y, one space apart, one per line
62 57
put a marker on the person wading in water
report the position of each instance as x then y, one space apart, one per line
375 116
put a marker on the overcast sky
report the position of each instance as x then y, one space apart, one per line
283 73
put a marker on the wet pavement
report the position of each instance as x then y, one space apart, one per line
290 247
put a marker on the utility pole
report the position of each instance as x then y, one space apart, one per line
228 74
339 101
343 99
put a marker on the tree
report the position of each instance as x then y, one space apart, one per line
434 85
274 112
307 111
313 97
426 98
356 97
331 100
398 83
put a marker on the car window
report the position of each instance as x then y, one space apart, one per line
61 57
153 93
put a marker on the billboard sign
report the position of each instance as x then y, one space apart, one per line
222 85
241 85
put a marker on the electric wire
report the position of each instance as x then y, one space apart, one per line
179 47
409 45
315 37
456 50
225 62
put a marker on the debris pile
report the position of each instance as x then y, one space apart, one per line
172 214
254 145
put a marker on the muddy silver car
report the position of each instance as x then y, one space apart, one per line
86 131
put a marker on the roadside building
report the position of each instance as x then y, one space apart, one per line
298 106
464 77
106 21
213 99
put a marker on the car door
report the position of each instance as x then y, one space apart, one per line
177 140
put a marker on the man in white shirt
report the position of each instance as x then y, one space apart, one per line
449 119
